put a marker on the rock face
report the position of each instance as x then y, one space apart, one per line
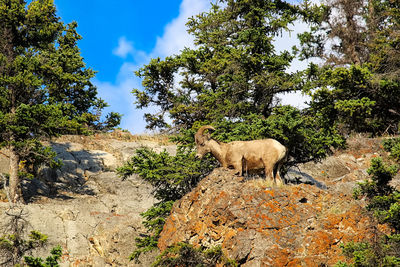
88 209
95 216
257 225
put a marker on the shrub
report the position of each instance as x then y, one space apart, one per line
304 136
384 203
51 261
14 246
392 145
171 177
183 254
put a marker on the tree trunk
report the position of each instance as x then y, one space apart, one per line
14 183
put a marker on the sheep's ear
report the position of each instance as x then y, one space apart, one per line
208 134
199 140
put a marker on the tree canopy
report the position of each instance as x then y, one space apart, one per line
358 85
233 70
231 79
45 86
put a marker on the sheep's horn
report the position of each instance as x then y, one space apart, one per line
203 128
200 132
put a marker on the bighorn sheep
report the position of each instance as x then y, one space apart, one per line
267 154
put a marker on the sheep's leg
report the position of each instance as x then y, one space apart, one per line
269 172
244 167
237 166
278 179
238 170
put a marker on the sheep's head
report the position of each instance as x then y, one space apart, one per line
201 140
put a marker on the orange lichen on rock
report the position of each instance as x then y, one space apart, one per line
293 225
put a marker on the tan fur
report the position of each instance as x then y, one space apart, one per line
266 154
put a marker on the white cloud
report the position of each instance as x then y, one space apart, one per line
118 94
124 48
175 36
286 42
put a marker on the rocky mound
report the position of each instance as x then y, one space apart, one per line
259 225
293 225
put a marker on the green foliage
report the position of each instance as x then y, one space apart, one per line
378 186
358 86
183 254
154 222
233 71
385 253
383 199
361 253
347 97
45 87
51 261
13 246
384 203
392 145
171 177
10 241
355 112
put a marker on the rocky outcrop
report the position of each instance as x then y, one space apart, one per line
301 223
85 207
259 225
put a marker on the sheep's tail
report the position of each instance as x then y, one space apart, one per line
286 156
282 158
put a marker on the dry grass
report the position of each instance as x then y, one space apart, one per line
263 183
127 136
160 139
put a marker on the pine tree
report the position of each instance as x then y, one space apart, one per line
45 87
358 42
233 71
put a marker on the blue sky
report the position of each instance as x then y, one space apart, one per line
121 36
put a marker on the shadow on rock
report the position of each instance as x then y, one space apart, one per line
78 165
298 177
291 177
